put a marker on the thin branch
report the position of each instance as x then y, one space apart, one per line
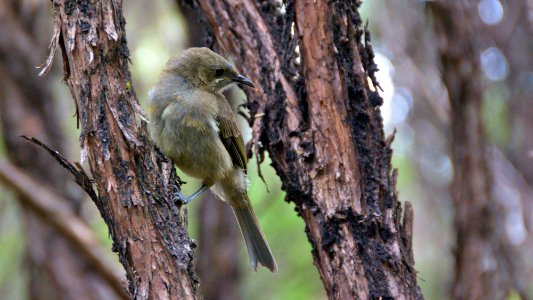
50 207
80 177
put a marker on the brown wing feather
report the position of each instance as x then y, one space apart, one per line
231 137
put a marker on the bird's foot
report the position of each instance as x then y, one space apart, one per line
186 200
178 197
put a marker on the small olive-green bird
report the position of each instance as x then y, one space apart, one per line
192 122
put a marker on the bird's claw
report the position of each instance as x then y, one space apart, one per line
178 197
186 200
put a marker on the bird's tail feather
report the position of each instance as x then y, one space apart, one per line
254 238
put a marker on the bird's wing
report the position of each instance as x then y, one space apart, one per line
231 137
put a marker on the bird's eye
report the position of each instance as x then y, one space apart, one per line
219 72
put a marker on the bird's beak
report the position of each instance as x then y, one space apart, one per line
241 79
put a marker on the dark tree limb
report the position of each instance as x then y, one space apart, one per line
320 122
134 181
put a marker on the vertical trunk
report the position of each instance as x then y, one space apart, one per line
481 269
513 37
319 120
56 271
135 182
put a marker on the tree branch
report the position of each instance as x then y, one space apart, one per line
50 207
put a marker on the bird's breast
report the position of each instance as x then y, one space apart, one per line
190 136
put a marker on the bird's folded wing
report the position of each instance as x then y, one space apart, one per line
231 137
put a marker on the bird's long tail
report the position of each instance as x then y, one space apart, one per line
254 237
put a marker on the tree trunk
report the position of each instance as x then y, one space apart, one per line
56 270
513 37
483 264
135 182
319 119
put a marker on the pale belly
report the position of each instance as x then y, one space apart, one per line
197 152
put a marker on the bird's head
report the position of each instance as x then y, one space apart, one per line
203 68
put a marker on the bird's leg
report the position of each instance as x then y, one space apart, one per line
187 200
202 189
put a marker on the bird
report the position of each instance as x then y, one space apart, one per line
192 122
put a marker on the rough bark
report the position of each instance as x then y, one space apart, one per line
483 265
56 270
134 181
319 120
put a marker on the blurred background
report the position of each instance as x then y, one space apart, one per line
415 104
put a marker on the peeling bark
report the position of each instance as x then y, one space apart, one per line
320 122
134 181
